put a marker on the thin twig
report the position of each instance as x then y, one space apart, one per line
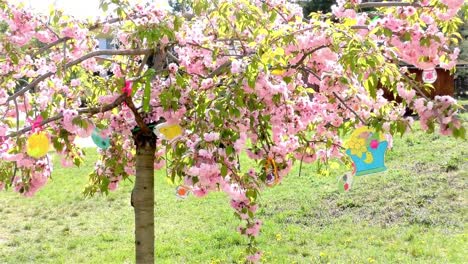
415 85
173 57
311 72
219 70
50 45
386 4
299 63
64 39
349 108
360 27
325 142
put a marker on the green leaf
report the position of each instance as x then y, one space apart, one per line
459 133
104 6
147 95
229 150
224 170
251 194
371 85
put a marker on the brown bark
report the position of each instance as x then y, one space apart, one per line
143 197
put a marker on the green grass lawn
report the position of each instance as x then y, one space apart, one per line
413 213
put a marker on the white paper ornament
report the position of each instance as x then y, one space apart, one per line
429 76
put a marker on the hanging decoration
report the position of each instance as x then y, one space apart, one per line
99 140
367 148
127 89
182 191
345 182
429 76
168 131
271 172
37 145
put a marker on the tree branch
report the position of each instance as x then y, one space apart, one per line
219 70
50 45
386 4
141 123
131 52
311 72
415 85
299 63
91 111
360 27
349 108
325 142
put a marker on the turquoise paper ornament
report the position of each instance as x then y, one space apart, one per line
99 140
366 148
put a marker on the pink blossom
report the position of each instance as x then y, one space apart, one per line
453 4
173 68
66 163
255 258
113 185
254 229
200 192
212 136
3 130
207 83
236 66
75 82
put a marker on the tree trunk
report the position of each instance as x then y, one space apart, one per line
143 197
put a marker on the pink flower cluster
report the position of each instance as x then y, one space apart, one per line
439 111
32 174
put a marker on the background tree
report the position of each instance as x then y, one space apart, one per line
179 5
310 6
233 79
464 49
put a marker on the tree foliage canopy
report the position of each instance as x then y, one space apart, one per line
248 76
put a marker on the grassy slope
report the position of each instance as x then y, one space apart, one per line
414 213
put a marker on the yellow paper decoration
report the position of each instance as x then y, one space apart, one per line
37 145
357 142
168 131
278 72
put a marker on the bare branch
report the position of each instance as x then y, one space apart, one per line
415 85
299 63
90 111
130 52
141 123
386 4
349 108
219 70
360 27
311 72
325 142
50 45
173 57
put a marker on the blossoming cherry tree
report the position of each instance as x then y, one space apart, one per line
247 77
